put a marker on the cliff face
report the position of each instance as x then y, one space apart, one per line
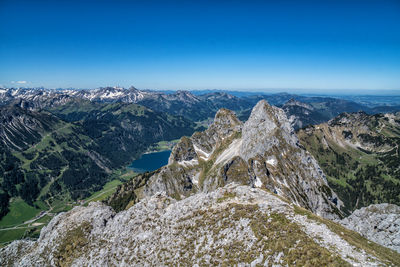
264 152
233 225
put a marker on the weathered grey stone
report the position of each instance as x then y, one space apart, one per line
379 223
264 152
214 228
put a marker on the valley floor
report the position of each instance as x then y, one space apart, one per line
25 221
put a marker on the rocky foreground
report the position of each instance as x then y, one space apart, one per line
233 225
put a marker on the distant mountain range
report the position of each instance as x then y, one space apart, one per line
196 107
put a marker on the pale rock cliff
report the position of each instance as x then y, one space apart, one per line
264 152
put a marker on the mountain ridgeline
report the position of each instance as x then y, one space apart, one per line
196 107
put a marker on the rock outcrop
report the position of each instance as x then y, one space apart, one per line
264 152
233 225
379 223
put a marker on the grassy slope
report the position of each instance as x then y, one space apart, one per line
359 177
109 188
20 211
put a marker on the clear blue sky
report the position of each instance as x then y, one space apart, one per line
197 45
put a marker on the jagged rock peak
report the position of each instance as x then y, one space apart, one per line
183 151
267 126
225 124
226 118
273 116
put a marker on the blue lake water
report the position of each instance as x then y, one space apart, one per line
150 161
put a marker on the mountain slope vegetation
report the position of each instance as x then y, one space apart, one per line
360 155
46 158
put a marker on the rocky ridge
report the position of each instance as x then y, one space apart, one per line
301 110
233 225
264 152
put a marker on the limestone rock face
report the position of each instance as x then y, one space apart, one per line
379 223
264 153
233 225
267 127
183 151
272 149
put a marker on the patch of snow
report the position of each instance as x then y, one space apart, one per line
258 182
111 95
271 161
202 153
195 179
230 152
14 92
186 163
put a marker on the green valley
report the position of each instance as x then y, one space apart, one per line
52 160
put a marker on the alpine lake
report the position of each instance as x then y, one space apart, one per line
150 161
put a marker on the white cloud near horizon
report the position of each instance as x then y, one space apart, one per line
19 82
